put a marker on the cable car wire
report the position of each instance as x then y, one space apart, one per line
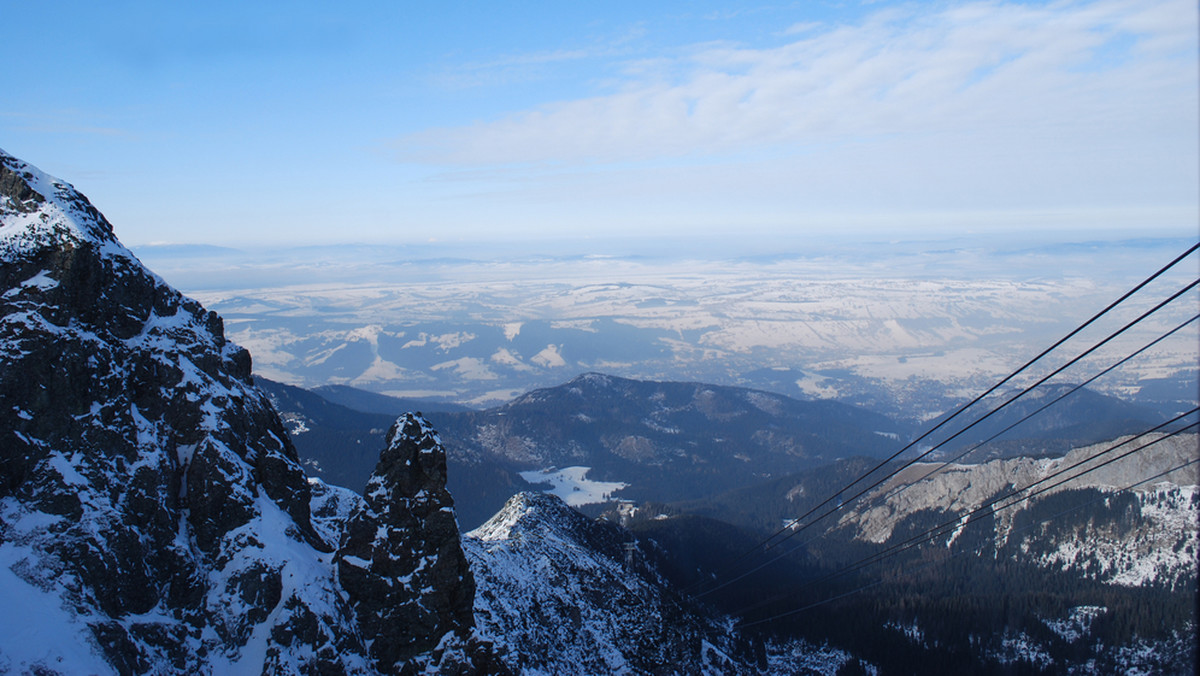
960 553
765 544
791 528
960 456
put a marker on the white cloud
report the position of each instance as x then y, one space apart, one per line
983 69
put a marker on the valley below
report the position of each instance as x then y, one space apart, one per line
941 567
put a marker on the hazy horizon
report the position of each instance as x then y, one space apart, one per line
908 327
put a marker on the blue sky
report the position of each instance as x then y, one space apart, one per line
236 123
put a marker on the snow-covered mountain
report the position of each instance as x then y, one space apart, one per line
153 514
566 594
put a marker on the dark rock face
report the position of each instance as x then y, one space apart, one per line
144 481
401 562
153 515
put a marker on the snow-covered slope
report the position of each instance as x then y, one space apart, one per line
153 515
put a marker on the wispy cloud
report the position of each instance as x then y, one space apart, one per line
967 68
523 67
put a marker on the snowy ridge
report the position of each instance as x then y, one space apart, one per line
559 593
555 595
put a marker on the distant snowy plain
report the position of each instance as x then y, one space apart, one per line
909 328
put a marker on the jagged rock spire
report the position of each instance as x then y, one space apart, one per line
401 561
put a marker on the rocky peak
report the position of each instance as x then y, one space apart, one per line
400 560
39 210
111 359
